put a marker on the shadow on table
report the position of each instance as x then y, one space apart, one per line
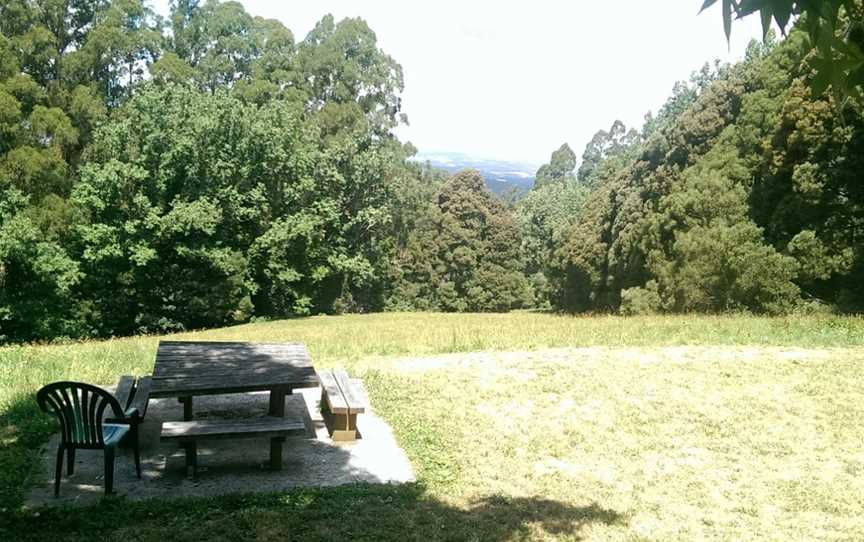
222 357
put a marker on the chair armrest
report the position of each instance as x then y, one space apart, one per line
132 413
130 416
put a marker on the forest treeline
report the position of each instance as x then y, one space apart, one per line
208 168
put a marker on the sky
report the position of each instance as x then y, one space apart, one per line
514 80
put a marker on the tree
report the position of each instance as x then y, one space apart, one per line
603 146
202 209
544 214
809 196
157 177
727 204
464 256
341 63
559 168
705 254
62 65
217 40
119 47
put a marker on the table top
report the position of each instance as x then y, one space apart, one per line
186 368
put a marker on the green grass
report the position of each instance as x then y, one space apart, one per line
654 428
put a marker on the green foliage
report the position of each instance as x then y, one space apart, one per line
559 168
463 254
606 150
342 62
251 175
197 203
29 255
207 168
544 214
641 301
61 65
705 252
743 195
726 268
158 200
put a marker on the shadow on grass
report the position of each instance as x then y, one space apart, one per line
356 512
23 433
350 512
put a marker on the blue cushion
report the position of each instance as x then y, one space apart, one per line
113 432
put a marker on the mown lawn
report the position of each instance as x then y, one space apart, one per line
655 428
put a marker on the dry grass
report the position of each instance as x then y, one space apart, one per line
656 428
349 338
683 443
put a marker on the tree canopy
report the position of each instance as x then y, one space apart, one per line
746 196
190 172
210 167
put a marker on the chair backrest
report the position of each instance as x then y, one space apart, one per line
81 409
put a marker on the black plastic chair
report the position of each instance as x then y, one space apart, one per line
92 419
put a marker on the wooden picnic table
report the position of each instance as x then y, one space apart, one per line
184 369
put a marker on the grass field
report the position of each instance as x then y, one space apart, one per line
523 426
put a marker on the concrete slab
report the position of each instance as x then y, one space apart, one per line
228 466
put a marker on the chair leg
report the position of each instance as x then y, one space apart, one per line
136 449
70 460
58 472
109 470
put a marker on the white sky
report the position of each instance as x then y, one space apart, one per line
514 80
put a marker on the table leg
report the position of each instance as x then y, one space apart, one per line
187 407
277 403
276 453
191 459
277 408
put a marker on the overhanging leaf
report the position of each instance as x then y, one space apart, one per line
707 4
782 12
766 22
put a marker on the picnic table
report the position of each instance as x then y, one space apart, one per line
184 369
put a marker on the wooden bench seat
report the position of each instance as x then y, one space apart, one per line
189 433
341 402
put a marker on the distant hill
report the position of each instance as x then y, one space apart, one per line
501 176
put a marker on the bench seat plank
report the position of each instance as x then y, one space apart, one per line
268 426
349 391
343 400
335 400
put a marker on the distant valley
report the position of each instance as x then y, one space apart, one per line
501 176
